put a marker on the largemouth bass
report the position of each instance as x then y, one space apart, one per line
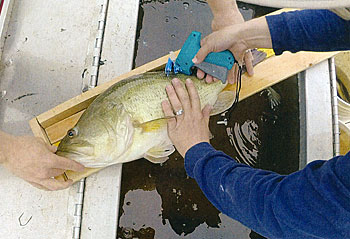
126 122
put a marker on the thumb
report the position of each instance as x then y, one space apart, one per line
202 53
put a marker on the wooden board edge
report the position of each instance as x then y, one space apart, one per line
76 176
54 133
38 130
318 57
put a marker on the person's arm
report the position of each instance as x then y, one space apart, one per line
238 38
311 203
309 30
33 160
222 8
306 30
226 13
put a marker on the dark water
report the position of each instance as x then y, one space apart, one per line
160 201
164 25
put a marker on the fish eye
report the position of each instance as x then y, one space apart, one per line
72 133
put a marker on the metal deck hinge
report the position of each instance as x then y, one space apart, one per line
78 210
96 58
334 98
101 24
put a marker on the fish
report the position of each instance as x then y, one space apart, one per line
126 122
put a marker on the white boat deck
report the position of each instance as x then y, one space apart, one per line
46 59
48 46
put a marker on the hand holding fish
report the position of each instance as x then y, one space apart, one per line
190 126
33 160
238 38
226 13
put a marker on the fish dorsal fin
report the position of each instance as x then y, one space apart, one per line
159 154
224 102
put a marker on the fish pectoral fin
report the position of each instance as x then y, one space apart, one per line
156 160
154 125
159 154
223 103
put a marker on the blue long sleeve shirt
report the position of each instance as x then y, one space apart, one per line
311 203
308 30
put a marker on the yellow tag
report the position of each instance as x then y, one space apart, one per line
269 52
56 144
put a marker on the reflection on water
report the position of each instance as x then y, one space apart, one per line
160 201
245 140
245 136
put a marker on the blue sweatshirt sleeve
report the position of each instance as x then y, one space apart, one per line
310 203
308 30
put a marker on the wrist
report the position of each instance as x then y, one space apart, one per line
223 8
256 34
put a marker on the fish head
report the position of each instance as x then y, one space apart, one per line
97 141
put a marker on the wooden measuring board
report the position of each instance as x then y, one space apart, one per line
53 124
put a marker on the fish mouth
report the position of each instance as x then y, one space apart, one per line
72 153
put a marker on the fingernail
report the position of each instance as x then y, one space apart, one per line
175 80
188 80
195 60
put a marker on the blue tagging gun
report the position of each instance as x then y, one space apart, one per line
216 64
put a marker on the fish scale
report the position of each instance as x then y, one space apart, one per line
147 107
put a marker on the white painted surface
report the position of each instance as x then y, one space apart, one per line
50 211
47 45
101 204
47 48
319 136
101 199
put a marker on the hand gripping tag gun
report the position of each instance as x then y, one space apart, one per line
216 64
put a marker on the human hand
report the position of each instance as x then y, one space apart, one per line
227 14
191 127
227 38
31 159
238 38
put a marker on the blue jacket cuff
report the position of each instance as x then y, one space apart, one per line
194 154
276 24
